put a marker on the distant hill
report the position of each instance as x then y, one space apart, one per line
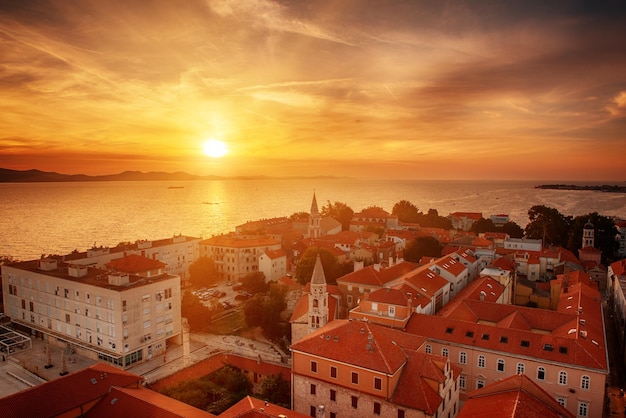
37 176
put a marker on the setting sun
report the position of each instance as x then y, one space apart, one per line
214 148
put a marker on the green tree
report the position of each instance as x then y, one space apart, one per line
254 310
330 263
339 211
512 229
433 220
203 273
420 247
549 225
254 282
198 315
483 225
405 211
605 232
264 311
298 215
276 390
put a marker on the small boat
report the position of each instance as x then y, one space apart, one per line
176 187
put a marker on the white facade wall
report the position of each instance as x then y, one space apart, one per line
273 268
119 324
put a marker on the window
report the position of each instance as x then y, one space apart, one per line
376 408
481 362
313 389
355 402
392 311
463 357
333 395
333 415
585 382
314 366
500 365
313 411
562 378
333 372
462 382
444 352
521 368
355 378
428 349
583 409
562 401
378 383
400 413
541 373
480 383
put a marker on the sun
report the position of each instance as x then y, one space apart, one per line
214 148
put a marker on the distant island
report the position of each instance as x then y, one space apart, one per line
38 176
609 188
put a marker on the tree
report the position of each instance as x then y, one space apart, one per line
483 225
254 282
203 273
512 229
605 233
433 220
405 211
549 225
264 311
339 211
330 263
420 247
276 390
298 215
198 315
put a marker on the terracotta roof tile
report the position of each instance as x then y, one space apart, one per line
517 397
134 263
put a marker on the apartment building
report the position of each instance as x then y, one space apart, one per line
563 351
113 316
354 368
177 253
237 255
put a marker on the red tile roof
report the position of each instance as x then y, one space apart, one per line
134 264
350 342
369 276
619 267
414 389
139 403
67 393
517 397
572 342
250 407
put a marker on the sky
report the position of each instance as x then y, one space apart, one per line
483 89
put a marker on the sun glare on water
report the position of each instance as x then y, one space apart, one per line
214 148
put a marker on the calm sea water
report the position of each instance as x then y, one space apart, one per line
56 218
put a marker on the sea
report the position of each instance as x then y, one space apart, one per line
57 218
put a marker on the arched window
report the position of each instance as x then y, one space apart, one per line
585 382
521 368
428 349
562 378
315 303
444 352
500 365
481 361
463 357
541 373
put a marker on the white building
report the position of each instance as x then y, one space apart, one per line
237 255
112 316
177 253
273 264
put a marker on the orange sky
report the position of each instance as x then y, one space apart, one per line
417 90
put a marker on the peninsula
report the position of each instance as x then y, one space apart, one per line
609 188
